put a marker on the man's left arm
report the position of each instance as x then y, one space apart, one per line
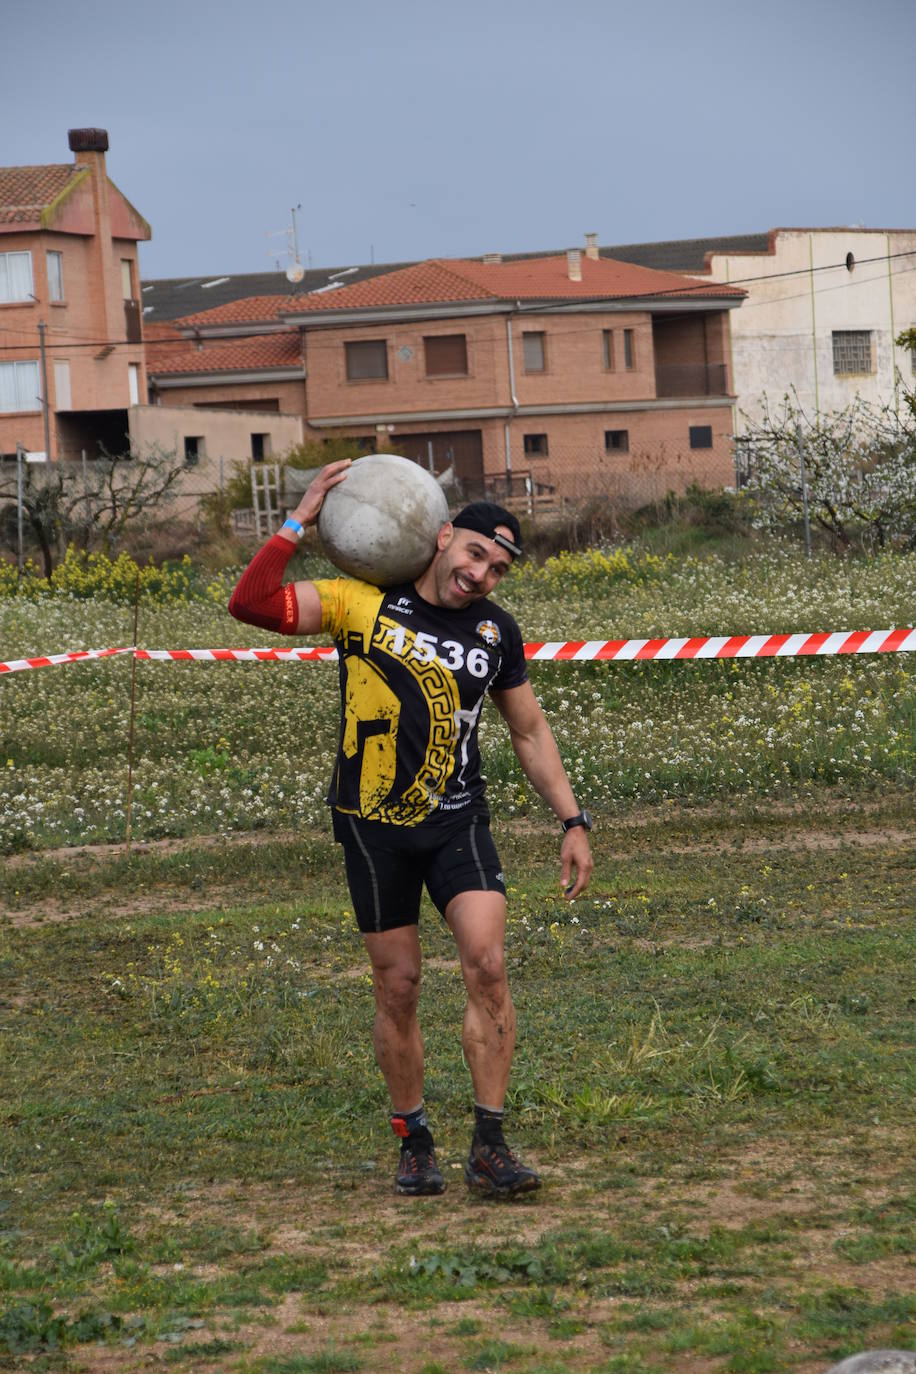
537 752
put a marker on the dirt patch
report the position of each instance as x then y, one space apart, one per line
816 840
56 907
352 1223
637 819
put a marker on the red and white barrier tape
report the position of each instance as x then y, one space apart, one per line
17 665
569 650
729 646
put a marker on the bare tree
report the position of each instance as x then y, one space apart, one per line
93 504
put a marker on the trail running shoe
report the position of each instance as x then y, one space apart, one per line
493 1169
418 1173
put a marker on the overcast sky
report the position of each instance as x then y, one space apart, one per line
417 128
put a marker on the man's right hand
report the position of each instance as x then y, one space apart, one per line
313 497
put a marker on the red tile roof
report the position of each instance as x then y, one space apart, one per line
548 279
449 281
26 191
249 310
542 279
170 355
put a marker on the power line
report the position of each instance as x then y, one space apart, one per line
78 341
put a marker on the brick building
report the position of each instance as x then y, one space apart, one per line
571 374
71 345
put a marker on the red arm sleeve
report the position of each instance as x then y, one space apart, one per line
261 597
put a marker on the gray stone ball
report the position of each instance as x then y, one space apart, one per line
380 523
877 1362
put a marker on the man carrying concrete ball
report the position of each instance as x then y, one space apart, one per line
408 800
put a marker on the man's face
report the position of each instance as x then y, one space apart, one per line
467 565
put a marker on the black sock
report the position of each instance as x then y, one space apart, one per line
405 1124
488 1124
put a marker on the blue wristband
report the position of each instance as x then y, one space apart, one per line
290 524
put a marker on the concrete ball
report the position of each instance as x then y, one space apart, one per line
380 523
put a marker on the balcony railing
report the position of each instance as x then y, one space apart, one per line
690 379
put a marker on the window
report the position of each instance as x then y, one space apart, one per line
534 351
15 277
260 447
446 355
629 349
20 387
133 383
851 351
367 361
608 348
535 445
55 275
62 385
194 449
127 279
701 436
616 441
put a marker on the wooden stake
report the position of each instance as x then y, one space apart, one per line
133 702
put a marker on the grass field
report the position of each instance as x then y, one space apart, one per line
715 1064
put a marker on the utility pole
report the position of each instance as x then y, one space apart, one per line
44 388
19 562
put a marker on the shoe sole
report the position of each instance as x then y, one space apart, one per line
479 1183
425 1191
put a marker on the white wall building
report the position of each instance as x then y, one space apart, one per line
213 443
822 312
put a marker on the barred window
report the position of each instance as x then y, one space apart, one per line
535 445
851 351
616 441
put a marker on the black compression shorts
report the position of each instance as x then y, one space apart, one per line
387 866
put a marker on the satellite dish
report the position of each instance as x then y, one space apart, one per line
295 272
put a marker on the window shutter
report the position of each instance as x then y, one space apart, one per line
367 360
446 355
533 350
62 385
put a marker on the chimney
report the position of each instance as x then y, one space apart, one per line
591 246
88 140
574 264
89 147
492 259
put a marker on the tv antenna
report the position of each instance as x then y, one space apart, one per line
294 271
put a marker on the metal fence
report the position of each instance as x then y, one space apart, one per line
564 481
569 483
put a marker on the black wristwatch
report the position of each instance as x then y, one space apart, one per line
583 819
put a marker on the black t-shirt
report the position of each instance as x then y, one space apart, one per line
413 678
